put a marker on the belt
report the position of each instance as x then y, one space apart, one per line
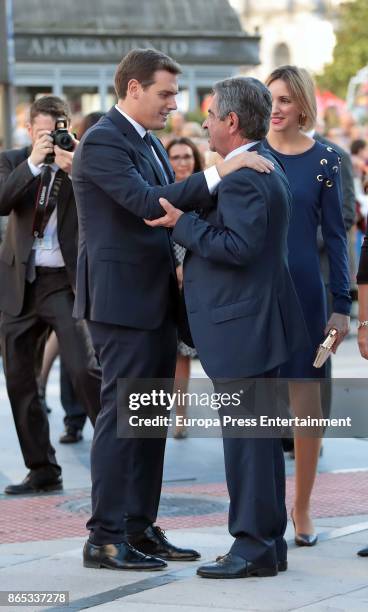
46 270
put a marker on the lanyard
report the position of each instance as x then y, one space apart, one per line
45 201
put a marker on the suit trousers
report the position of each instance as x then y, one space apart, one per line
48 303
126 471
255 476
75 414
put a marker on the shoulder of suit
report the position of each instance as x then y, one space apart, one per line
104 132
16 156
247 177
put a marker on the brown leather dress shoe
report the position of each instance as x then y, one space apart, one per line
35 484
120 556
152 541
71 435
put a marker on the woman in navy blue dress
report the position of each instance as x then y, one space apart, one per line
313 171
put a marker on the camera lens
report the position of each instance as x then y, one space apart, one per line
64 141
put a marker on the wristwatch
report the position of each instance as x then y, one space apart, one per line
362 324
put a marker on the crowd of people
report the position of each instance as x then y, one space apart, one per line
244 233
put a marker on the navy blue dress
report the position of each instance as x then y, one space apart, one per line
314 178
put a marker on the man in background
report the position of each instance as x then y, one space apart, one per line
37 270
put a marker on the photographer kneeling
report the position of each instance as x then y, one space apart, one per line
37 270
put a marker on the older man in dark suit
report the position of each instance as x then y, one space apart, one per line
37 269
244 317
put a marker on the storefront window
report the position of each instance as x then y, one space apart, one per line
82 100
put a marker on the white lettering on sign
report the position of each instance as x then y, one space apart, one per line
101 47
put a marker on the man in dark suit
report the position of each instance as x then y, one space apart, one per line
127 291
244 317
37 289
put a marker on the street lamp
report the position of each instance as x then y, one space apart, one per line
6 73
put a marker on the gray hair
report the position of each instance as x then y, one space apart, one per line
250 100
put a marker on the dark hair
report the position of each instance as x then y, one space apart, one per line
49 105
141 64
198 159
250 100
357 145
88 121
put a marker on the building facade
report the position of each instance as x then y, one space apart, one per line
297 32
71 48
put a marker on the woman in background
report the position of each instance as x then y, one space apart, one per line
185 159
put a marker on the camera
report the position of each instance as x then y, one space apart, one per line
60 137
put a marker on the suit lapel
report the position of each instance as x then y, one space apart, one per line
126 128
161 152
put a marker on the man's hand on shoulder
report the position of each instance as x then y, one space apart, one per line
168 220
247 159
64 159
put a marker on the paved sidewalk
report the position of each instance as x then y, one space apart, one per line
329 577
41 537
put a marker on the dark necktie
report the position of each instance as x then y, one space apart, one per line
150 143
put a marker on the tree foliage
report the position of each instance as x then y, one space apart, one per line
351 50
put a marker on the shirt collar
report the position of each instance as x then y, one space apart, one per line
241 149
54 167
140 129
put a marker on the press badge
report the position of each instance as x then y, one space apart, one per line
44 244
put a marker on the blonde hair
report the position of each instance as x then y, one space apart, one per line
301 88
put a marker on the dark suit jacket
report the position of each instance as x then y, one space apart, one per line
18 191
243 311
126 270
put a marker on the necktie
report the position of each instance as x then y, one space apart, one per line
150 143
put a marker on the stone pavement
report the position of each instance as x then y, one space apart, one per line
41 537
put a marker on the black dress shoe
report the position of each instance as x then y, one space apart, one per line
152 541
232 566
363 552
71 435
119 557
35 484
282 565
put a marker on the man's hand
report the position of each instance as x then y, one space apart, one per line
248 159
168 220
41 148
341 323
64 159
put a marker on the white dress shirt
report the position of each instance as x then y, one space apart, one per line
241 149
49 255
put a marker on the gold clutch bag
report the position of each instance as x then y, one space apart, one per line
324 349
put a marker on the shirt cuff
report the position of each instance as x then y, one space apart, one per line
34 169
213 178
